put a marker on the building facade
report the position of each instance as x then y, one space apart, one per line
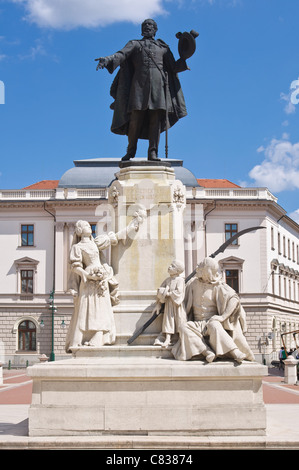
37 227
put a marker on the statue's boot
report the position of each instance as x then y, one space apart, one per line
152 156
128 156
131 151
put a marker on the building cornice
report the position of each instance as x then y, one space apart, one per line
233 198
51 203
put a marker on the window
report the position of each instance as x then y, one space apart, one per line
278 243
279 285
284 246
93 228
285 287
27 281
232 278
27 232
273 282
230 231
26 270
272 239
232 268
27 336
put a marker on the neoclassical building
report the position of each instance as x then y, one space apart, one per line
37 227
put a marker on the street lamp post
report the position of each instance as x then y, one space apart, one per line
51 300
53 307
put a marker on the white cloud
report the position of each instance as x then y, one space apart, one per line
69 14
35 51
279 171
226 3
291 98
295 216
289 107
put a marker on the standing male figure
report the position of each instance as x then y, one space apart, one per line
146 90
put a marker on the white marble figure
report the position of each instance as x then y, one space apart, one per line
171 293
93 287
218 323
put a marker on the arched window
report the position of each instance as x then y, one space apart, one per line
27 336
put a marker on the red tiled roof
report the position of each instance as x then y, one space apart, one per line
45 184
206 183
210 183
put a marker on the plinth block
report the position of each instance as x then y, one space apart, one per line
143 163
134 395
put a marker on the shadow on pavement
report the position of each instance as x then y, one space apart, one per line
17 429
275 371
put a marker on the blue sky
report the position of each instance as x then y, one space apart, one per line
242 121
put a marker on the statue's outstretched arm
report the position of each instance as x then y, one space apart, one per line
133 227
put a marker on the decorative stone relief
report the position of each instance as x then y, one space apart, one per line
114 195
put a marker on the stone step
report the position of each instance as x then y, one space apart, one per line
146 339
122 351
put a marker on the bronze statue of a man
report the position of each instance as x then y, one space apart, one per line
146 90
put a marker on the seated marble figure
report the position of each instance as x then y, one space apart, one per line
216 320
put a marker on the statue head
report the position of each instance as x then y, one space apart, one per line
149 28
208 270
82 227
176 267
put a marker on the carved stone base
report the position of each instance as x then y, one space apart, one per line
146 396
143 163
114 351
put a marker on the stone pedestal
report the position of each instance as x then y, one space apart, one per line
141 263
290 370
141 390
146 396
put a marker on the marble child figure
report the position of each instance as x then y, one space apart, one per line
171 293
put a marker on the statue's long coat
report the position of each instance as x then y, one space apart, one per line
140 85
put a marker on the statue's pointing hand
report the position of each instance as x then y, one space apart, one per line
102 62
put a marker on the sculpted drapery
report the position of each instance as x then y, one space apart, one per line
218 322
95 290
